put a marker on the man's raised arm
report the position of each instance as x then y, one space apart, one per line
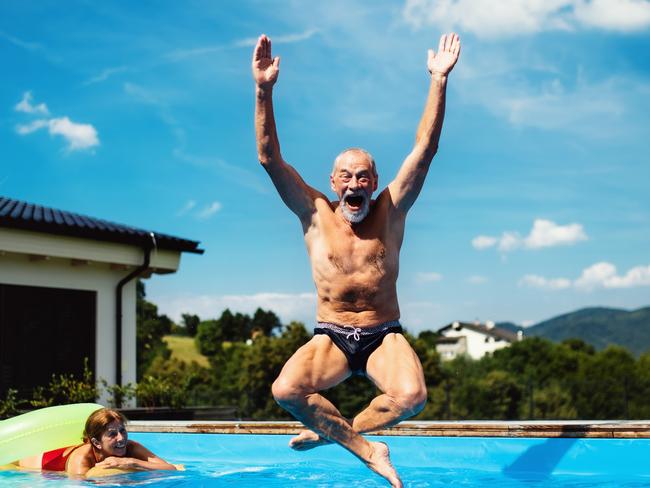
294 191
406 186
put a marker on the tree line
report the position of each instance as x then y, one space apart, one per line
531 379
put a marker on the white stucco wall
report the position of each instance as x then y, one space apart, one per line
18 269
451 351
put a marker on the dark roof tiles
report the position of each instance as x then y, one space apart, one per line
17 214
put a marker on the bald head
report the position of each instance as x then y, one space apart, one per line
354 153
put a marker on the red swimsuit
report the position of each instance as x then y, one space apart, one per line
56 460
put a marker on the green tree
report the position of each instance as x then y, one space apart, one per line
190 381
235 327
640 394
266 322
191 323
261 365
553 402
604 386
227 370
495 396
209 338
428 338
150 330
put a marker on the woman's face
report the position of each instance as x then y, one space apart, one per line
114 440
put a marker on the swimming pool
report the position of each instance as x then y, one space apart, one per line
264 460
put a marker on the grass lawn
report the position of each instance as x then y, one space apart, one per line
184 349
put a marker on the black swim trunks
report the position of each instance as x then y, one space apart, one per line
356 343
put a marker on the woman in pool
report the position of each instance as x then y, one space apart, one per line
105 445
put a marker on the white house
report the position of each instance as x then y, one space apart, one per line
473 339
68 292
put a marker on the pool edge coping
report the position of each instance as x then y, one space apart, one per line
614 429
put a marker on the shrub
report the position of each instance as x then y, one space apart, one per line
10 406
65 388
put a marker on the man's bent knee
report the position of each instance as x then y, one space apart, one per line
286 393
412 401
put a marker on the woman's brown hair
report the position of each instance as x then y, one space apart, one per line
99 420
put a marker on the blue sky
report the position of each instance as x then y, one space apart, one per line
537 203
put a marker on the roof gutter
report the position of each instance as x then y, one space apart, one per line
118 306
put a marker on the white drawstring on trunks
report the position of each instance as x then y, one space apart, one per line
354 334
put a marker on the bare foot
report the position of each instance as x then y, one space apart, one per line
380 463
307 439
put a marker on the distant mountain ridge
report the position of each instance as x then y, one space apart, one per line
598 326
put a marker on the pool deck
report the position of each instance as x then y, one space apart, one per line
614 429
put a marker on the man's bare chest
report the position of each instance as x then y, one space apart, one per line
338 248
349 255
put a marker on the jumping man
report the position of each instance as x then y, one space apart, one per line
353 245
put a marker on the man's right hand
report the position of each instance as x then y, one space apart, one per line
265 68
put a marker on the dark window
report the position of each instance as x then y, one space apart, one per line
44 331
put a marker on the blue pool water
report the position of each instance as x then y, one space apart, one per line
266 461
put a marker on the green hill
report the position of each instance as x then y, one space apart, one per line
184 349
599 327
512 327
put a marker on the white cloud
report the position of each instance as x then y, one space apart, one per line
428 277
536 281
209 210
509 18
618 15
105 74
288 306
552 106
483 242
29 46
25 105
285 39
181 54
528 89
509 241
79 136
237 174
141 94
602 275
477 279
186 208
31 127
545 233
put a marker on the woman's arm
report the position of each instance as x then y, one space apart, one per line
139 457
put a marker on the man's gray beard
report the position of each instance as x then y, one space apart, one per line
355 217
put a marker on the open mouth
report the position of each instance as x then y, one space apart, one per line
354 203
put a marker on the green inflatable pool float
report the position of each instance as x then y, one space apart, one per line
43 430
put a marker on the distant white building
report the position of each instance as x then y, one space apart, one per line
474 340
